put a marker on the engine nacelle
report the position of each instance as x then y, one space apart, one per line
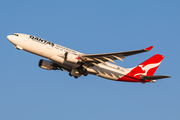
71 57
48 65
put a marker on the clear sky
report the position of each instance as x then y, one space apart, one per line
28 92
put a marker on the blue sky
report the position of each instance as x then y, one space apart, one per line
28 92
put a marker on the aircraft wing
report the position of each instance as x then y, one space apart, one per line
105 57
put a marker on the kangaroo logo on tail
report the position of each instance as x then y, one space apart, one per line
144 72
146 68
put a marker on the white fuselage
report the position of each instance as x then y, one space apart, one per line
56 52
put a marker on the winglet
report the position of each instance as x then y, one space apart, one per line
148 48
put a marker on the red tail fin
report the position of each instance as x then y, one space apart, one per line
146 68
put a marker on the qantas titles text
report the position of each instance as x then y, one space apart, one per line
52 44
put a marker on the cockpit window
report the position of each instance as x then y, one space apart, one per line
15 34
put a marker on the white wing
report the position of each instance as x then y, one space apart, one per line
94 59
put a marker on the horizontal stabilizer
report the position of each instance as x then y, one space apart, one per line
154 77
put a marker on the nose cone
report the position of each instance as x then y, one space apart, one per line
9 37
12 39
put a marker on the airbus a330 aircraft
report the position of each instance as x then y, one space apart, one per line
77 64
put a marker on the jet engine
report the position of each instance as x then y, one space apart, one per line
48 65
71 57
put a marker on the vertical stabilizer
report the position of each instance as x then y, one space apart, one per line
147 68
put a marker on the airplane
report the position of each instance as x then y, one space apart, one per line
78 64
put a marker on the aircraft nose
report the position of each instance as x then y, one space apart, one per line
9 37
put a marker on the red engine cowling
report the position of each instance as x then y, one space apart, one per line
71 57
48 65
